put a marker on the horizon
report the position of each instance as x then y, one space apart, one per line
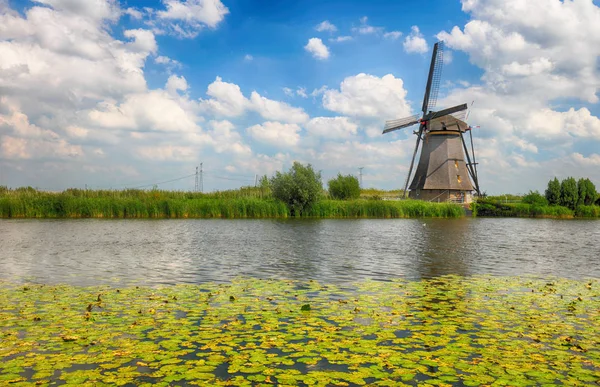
112 93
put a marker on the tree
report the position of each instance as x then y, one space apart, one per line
590 193
553 192
535 198
299 188
581 191
569 195
344 187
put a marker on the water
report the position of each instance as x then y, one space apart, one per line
153 252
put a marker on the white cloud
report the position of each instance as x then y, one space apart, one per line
340 39
415 43
366 95
98 9
287 91
365 29
175 83
185 18
393 35
301 91
225 139
316 47
248 58
227 100
331 127
166 153
277 111
143 40
276 133
168 62
326 26
592 160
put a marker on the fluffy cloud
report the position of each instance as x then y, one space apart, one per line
366 95
316 47
185 18
534 55
276 133
331 127
227 100
415 43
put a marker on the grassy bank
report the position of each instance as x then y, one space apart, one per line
451 330
384 209
524 210
245 203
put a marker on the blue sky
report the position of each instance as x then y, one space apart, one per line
129 93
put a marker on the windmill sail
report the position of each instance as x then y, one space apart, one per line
405 122
435 76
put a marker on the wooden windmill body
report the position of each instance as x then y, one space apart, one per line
442 173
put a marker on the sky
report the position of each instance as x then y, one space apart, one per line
136 94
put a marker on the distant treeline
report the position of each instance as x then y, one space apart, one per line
567 199
248 202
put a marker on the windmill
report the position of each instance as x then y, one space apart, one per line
442 173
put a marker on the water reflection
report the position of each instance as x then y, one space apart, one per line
341 251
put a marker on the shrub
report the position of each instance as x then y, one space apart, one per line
344 187
299 188
535 198
553 192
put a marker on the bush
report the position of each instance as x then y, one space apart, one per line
344 187
553 192
535 198
299 188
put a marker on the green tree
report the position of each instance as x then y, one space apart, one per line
581 191
535 198
553 192
569 195
590 193
344 187
299 188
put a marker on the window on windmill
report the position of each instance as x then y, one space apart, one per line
456 164
458 178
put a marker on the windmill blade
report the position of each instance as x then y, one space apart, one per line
451 110
435 76
401 123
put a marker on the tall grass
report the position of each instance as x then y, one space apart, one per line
244 203
361 208
133 204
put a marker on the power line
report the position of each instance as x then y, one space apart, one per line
164 182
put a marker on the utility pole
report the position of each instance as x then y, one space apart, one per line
201 179
196 182
256 180
360 176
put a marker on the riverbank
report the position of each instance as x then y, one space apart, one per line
493 208
471 331
29 203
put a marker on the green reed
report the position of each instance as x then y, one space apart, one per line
243 203
383 209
